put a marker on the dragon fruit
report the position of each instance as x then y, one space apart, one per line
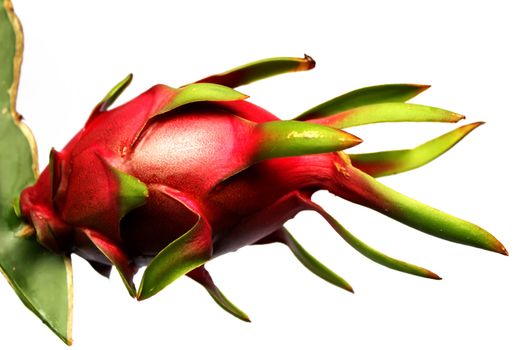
178 176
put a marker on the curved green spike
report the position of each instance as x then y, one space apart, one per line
203 277
312 264
261 69
373 194
113 94
287 138
178 258
387 113
198 92
181 256
379 164
368 251
41 279
365 96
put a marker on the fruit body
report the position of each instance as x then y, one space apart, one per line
177 177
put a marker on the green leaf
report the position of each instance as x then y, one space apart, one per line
40 278
379 164
312 264
365 96
258 70
387 113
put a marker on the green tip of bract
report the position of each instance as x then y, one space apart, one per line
132 192
368 251
365 96
202 276
388 112
114 93
312 264
199 92
292 138
258 70
183 255
420 216
227 305
393 162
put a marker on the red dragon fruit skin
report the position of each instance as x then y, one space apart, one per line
176 177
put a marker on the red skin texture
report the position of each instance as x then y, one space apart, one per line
201 150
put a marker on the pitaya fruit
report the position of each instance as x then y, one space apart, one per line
179 176
176 177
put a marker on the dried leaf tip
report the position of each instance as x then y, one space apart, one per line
307 64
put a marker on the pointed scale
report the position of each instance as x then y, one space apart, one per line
181 256
116 256
365 96
292 138
203 277
311 263
41 279
386 113
359 187
114 93
110 97
379 164
368 251
286 138
168 99
258 70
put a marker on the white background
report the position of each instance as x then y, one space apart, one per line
469 51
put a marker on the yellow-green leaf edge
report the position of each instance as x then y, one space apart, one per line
42 280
